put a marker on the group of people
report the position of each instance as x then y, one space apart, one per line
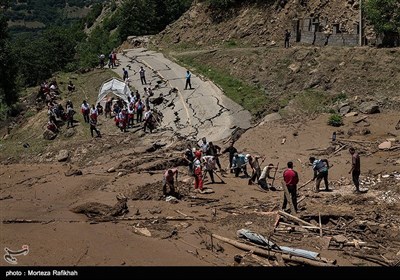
112 60
203 160
57 113
125 113
90 115
320 169
48 92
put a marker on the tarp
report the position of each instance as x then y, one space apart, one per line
117 87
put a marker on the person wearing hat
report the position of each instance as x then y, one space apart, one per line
239 163
320 169
198 171
209 163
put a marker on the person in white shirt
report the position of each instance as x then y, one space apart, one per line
265 174
209 165
85 111
204 146
93 112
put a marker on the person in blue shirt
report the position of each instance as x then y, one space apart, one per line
320 168
188 83
239 163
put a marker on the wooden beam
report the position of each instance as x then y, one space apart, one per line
295 219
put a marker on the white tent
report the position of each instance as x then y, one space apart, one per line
117 87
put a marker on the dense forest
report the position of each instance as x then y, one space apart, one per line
34 15
67 43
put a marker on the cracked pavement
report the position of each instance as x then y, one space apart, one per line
203 111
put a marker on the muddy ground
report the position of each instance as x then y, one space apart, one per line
39 197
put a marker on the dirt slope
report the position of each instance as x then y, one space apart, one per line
251 25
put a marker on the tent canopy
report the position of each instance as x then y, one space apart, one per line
117 87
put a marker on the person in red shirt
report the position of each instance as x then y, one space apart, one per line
198 172
291 179
169 180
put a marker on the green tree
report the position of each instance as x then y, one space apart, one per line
143 17
385 17
41 55
8 69
99 42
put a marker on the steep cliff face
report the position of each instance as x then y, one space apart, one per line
252 24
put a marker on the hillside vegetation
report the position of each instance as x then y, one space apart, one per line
246 44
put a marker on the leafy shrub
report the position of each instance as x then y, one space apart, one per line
335 120
341 96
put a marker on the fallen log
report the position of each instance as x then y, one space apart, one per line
271 253
293 218
261 261
368 258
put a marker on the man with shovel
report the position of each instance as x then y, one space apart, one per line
320 168
209 163
265 174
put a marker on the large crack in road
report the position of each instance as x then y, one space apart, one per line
201 112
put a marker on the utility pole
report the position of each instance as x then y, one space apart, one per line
360 27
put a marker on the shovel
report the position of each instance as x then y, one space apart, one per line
223 182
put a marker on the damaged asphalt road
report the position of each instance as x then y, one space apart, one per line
203 111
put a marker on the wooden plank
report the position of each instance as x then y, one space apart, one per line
276 169
338 150
295 219
360 119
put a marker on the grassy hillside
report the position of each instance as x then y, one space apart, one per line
30 125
